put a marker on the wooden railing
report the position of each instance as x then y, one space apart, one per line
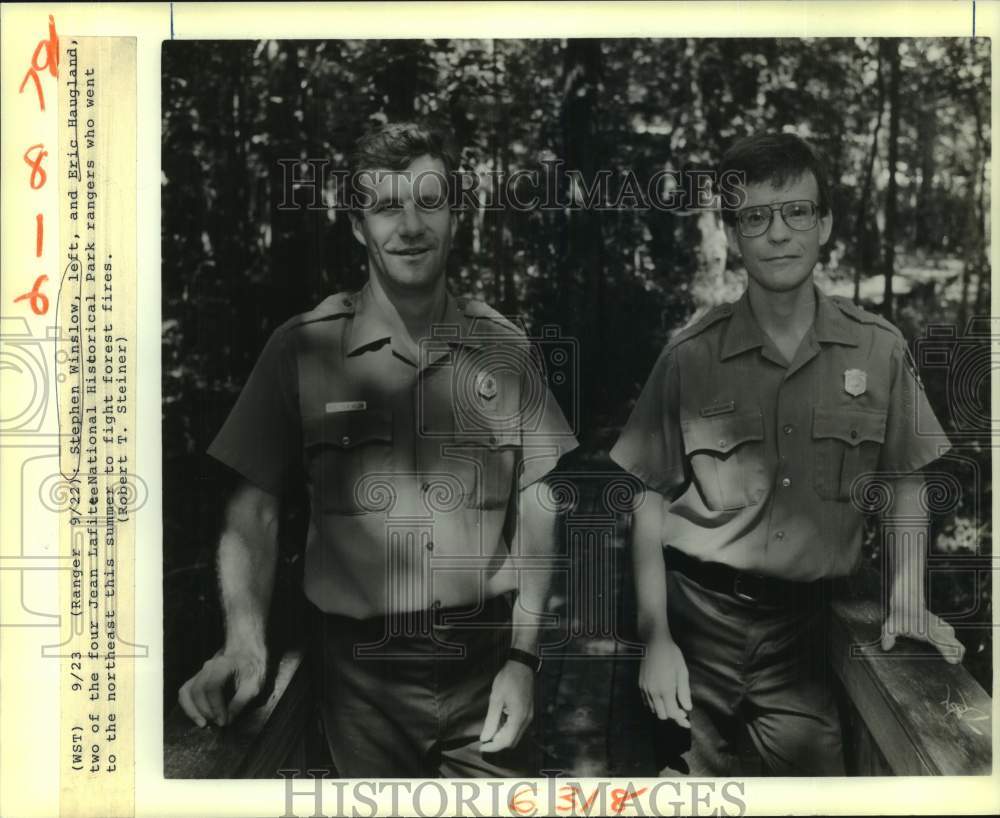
262 741
907 712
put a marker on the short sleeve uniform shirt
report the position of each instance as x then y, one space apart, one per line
412 459
769 466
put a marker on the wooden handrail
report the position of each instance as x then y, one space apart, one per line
911 713
256 745
925 716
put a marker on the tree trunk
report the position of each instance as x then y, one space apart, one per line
287 257
925 223
708 288
982 257
862 230
889 258
583 269
506 299
400 76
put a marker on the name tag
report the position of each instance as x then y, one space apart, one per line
718 409
346 406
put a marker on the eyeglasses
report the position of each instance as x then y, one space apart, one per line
755 221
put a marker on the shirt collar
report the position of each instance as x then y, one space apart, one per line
376 323
830 325
742 332
371 325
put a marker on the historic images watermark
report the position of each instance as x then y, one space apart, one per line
317 796
311 184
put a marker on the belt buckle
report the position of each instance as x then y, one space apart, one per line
739 583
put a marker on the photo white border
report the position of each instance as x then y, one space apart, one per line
28 684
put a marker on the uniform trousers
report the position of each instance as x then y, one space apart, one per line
756 672
406 695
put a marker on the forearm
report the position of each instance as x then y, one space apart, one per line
537 532
648 567
248 551
531 599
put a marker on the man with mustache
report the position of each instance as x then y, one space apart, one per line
753 436
424 429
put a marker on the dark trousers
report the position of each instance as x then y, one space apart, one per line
405 696
760 685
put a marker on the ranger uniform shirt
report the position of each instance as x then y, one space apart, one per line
768 466
412 466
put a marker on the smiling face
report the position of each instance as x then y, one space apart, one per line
782 259
409 227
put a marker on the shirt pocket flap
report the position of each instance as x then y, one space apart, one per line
482 430
852 426
345 430
722 434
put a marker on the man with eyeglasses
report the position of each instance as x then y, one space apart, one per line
755 436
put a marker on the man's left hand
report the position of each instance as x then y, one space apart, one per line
513 696
915 621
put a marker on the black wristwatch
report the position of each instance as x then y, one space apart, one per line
525 658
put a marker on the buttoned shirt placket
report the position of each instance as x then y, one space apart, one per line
783 428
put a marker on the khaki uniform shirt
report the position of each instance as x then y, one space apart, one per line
412 466
766 464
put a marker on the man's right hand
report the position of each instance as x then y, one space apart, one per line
203 696
663 679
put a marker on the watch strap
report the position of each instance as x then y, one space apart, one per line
525 658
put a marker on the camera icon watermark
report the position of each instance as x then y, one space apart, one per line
27 361
965 361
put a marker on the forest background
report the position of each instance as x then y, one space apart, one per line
903 123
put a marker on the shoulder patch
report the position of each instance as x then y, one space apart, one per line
862 316
713 316
476 309
339 305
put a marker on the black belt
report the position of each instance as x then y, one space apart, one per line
746 586
496 609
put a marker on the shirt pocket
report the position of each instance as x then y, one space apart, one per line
342 450
847 445
483 462
726 458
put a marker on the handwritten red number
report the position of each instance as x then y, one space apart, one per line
568 796
38 176
588 802
50 48
620 798
574 798
521 804
45 58
38 300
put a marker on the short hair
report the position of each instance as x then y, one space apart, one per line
393 146
775 158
